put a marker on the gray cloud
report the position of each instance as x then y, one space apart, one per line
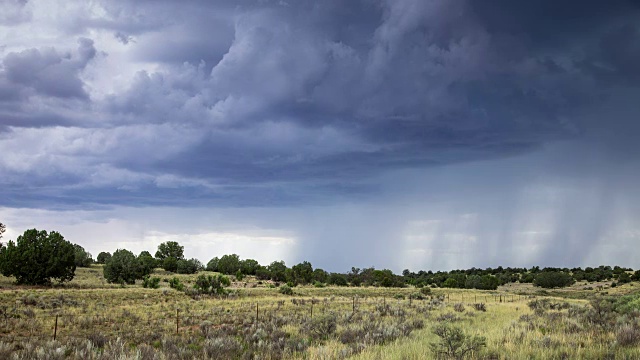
48 72
307 103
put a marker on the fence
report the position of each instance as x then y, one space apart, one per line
21 322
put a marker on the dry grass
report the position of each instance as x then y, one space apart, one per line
97 320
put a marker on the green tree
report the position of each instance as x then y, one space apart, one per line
552 279
229 264
190 266
82 257
209 284
170 264
122 267
146 264
249 266
37 257
278 271
320 275
3 228
302 273
212 265
103 257
337 279
170 249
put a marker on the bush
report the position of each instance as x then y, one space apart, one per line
425 291
103 257
285 290
628 335
82 257
170 264
454 342
190 266
553 279
122 267
210 284
151 283
480 307
321 327
37 257
175 283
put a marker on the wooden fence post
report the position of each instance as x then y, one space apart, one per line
55 328
177 321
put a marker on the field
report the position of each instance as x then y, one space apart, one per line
91 319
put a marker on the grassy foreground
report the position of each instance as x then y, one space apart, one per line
91 319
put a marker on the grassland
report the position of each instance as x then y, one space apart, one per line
97 320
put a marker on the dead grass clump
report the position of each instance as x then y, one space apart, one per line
628 335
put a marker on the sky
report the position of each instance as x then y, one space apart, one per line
413 134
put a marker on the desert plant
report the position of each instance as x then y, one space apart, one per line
175 283
321 327
151 282
454 343
209 284
480 307
122 267
285 290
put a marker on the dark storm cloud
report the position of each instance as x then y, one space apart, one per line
267 95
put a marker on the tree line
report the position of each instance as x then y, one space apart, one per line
38 258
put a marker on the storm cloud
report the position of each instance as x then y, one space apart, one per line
445 116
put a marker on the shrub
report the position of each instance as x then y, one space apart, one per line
170 264
285 290
37 257
82 257
480 307
175 283
553 279
321 327
210 284
103 257
425 291
454 342
190 266
122 267
459 307
151 282
628 335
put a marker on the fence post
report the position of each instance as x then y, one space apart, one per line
354 305
257 313
177 321
55 328
312 309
